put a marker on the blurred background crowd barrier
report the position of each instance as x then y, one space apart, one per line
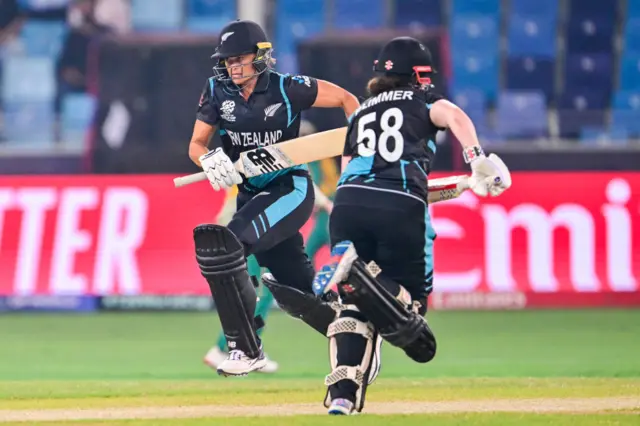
98 100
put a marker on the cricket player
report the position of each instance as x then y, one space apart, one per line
381 233
251 105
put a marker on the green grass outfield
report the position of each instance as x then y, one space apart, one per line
125 361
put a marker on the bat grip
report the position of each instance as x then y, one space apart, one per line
189 179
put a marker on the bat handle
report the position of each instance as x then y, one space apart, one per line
189 179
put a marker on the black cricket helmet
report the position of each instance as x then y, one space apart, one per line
242 37
406 56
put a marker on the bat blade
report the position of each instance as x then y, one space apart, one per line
279 156
295 152
447 188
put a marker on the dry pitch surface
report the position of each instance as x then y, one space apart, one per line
630 405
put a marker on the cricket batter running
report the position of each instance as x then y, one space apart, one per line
251 106
382 266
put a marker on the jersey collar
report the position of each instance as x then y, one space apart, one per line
263 82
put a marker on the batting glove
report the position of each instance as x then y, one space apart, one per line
220 170
489 174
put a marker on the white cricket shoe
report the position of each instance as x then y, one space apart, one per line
239 364
340 407
215 357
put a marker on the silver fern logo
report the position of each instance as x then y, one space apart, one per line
271 110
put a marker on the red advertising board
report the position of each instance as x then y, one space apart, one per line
554 239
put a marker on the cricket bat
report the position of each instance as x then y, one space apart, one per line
447 188
282 155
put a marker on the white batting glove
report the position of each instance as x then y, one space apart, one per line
489 174
220 170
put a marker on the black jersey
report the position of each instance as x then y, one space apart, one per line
392 141
270 115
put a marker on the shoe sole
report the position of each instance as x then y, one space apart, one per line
244 373
214 366
338 412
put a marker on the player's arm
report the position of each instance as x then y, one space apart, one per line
199 144
305 92
207 117
216 164
490 174
333 96
445 114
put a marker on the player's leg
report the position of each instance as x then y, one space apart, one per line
391 291
221 257
281 250
268 226
376 296
218 353
260 222
354 344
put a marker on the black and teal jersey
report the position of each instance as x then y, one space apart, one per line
391 140
270 115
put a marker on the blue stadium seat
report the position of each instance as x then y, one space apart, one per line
358 14
584 99
290 30
589 71
547 9
631 36
590 35
601 136
630 72
156 15
297 20
532 36
301 9
43 38
474 103
580 109
28 79
77 116
40 5
633 8
529 73
522 115
626 101
417 13
470 99
29 123
626 111
476 71
209 16
475 7
475 33
626 120
594 9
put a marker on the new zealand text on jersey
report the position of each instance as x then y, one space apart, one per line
254 138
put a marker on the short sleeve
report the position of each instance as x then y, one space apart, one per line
207 109
349 150
432 98
300 90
